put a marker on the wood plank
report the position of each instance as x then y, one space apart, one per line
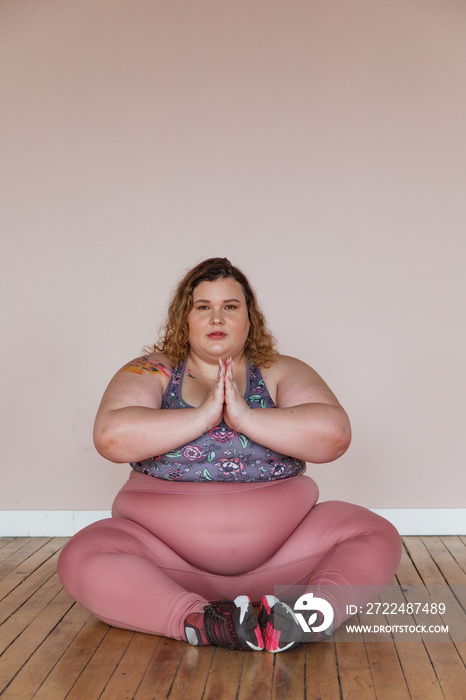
224 674
454 601
12 545
454 596
190 679
387 675
353 666
15 559
414 588
162 669
25 568
449 567
452 561
289 676
449 668
95 676
15 600
418 671
126 678
5 540
59 682
25 645
354 671
414 660
427 569
322 671
457 549
45 657
446 660
257 676
23 617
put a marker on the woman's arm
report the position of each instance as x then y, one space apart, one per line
130 425
308 423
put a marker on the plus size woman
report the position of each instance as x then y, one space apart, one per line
217 511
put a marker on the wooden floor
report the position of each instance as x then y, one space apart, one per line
52 648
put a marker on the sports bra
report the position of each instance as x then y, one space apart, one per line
221 454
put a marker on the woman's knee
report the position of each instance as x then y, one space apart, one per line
74 562
388 539
352 523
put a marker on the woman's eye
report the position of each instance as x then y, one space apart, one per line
231 306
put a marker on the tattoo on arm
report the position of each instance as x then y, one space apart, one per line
143 364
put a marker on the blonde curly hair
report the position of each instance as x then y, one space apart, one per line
173 340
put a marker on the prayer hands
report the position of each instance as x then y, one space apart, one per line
225 401
235 410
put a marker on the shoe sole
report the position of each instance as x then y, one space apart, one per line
280 626
246 625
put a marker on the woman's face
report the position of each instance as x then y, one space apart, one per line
218 322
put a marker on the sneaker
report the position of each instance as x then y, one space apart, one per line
231 624
280 626
281 629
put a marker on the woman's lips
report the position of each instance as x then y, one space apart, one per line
217 335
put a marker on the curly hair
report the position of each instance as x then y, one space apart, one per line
174 340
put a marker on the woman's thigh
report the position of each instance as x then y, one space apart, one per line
333 523
338 547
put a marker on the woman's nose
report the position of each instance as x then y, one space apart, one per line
217 317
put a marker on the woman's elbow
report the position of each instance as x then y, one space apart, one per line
335 443
341 445
341 439
107 444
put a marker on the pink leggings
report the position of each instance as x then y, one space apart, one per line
170 548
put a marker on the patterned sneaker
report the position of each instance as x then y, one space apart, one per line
231 624
281 629
279 624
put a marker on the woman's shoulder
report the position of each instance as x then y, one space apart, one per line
283 365
274 373
141 381
147 365
295 381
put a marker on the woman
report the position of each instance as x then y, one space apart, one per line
223 511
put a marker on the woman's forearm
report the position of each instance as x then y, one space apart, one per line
314 432
134 433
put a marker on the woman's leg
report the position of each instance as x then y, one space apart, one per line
341 552
115 569
128 577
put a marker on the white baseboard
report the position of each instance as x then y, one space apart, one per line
47 523
426 521
65 523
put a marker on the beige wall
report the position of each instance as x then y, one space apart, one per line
320 145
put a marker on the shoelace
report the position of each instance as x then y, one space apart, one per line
219 628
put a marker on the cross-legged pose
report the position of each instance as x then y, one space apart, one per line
217 513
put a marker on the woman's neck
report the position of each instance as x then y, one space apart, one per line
208 368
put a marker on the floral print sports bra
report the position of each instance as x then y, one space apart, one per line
222 454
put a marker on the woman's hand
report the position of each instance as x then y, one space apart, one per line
236 411
212 408
224 401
